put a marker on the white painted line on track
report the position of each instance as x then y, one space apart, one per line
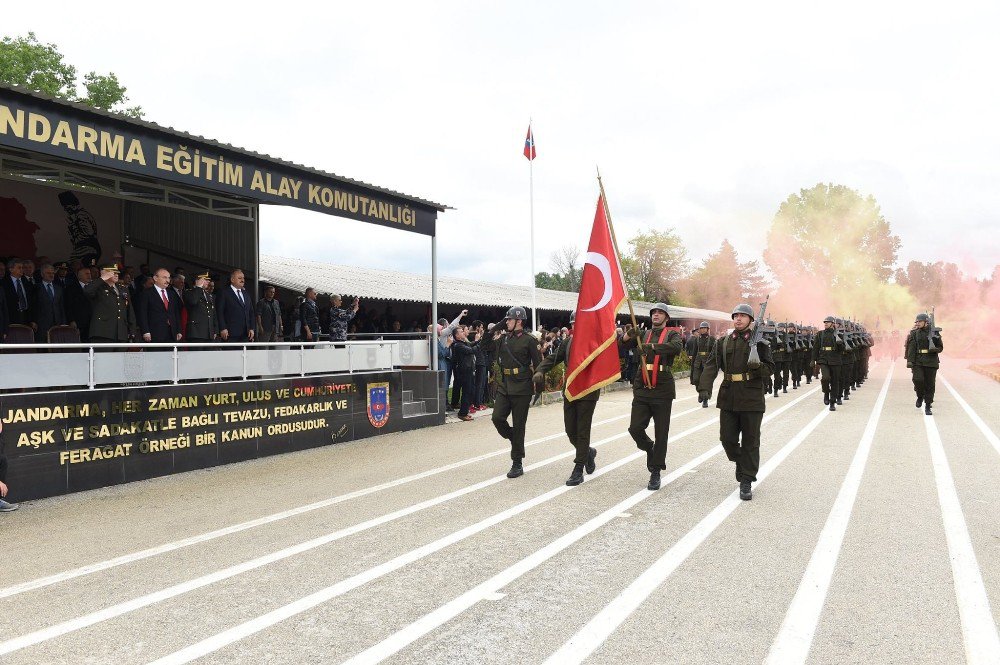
597 630
278 615
119 609
799 626
429 622
89 569
983 427
979 630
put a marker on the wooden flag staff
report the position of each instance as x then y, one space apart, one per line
614 241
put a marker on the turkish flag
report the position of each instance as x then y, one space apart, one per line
593 354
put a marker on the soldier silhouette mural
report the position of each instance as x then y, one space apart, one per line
82 229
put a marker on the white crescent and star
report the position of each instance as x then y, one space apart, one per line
600 262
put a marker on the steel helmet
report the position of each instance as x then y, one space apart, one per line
703 324
829 319
660 306
743 309
922 316
517 314
572 317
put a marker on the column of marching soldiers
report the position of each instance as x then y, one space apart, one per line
756 358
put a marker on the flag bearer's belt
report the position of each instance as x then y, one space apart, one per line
650 367
828 348
923 350
703 353
746 376
508 372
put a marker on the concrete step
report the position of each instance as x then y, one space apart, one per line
411 409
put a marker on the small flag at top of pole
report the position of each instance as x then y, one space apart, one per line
529 145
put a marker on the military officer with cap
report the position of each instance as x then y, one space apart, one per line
202 326
741 396
828 356
922 358
702 346
653 390
517 353
112 318
578 414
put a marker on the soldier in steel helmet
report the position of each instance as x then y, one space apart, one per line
922 349
828 356
578 414
782 357
741 396
653 389
517 353
702 346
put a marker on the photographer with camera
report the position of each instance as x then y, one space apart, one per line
340 317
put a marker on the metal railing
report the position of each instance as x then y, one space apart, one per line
75 366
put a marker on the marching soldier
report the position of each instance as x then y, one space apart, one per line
517 352
847 363
577 414
782 358
801 358
202 326
702 346
653 400
741 396
827 347
922 358
112 317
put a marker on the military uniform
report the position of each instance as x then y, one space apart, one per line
924 363
828 356
112 317
578 415
655 401
202 325
339 319
782 356
741 399
702 347
517 353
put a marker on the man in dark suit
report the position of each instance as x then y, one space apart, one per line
235 312
78 308
202 324
158 311
19 294
50 303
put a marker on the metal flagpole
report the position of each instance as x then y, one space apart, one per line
531 196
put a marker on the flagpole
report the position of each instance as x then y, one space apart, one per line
621 274
531 208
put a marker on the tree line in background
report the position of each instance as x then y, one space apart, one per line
829 250
26 62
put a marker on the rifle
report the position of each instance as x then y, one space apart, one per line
932 333
753 362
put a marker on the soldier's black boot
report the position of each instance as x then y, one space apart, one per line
576 477
809 379
784 388
840 402
745 492
833 406
704 404
654 480
516 470
920 402
927 410
847 394
591 461
826 398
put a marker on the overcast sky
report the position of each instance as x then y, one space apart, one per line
701 116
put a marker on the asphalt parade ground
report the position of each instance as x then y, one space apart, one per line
873 537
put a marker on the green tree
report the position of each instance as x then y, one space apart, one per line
554 281
832 234
655 265
26 62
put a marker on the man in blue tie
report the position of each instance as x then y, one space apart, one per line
50 303
235 312
19 298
